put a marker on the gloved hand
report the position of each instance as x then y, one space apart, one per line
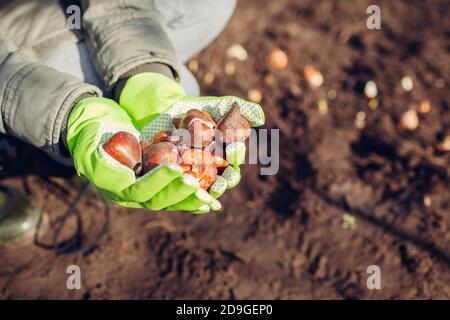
153 100
91 123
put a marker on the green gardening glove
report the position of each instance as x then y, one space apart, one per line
153 100
91 123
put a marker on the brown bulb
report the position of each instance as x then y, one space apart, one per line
277 58
216 150
125 148
200 165
166 136
200 126
208 177
156 153
234 127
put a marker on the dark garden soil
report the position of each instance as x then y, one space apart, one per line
343 199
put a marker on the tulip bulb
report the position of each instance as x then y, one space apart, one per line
234 127
200 126
125 148
153 154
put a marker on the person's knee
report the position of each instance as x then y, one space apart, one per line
219 12
211 15
194 24
213 9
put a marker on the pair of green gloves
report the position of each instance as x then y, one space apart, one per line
148 103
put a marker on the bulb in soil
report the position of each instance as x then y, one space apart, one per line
230 68
373 103
323 106
295 89
360 120
254 95
332 94
425 106
236 51
370 89
444 146
427 201
125 148
439 83
154 154
313 76
407 83
277 58
209 78
200 126
409 120
234 127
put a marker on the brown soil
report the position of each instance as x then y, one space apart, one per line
281 236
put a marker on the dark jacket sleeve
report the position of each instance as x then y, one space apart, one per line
127 37
35 100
